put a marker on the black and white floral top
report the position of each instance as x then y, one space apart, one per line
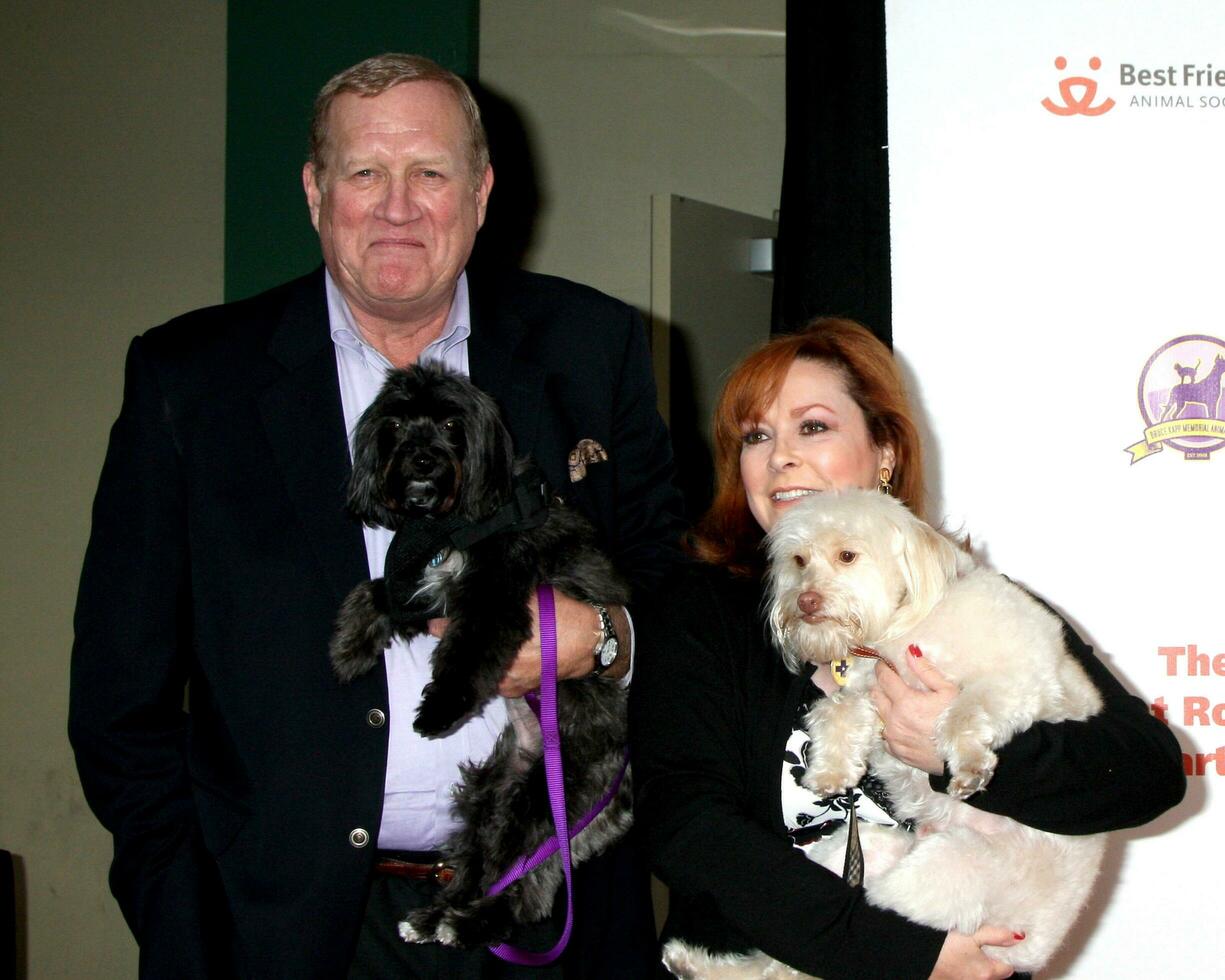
810 819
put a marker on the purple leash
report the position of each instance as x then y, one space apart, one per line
545 709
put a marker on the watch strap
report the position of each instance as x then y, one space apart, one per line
608 640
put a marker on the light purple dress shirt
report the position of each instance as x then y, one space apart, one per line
420 771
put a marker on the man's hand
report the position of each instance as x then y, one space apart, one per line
909 715
578 629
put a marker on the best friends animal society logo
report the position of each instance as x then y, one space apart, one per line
1187 86
1181 400
1078 93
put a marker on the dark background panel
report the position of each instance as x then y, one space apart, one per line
279 55
832 256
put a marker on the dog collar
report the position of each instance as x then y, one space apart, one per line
841 668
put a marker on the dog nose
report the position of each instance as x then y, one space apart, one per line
809 602
423 463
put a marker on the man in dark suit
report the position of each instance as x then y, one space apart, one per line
248 829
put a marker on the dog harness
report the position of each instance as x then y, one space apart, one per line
428 540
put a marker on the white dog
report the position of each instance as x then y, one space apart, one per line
854 576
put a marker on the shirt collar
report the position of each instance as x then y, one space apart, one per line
345 332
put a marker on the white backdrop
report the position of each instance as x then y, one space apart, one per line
1057 251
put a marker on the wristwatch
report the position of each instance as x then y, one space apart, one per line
606 648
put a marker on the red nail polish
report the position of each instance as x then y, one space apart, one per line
1018 936
914 650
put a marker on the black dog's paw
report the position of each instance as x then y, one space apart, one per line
363 631
442 707
348 665
483 924
466 927
421 925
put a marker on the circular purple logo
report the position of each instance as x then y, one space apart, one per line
1181 399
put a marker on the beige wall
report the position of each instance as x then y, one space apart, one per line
636 98
112 160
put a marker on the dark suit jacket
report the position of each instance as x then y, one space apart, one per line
219 554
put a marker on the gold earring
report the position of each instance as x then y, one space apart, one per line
885 486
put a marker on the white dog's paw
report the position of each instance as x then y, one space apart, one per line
695 963
685 961
971 772
832 780
965 733
842 730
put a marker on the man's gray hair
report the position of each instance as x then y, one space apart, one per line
375 76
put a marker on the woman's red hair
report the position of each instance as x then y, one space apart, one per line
728 534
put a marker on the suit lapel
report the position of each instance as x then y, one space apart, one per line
304 420
499 367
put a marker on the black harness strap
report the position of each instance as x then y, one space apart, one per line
527 508
420 541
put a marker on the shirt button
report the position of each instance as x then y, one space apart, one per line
359 837
375 718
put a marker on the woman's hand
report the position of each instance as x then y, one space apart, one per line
910 714
962 958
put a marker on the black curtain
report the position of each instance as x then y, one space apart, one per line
8 916
832 256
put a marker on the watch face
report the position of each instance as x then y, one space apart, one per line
608 652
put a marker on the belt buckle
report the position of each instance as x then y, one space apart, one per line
439 871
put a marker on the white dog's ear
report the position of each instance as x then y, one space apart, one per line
928 563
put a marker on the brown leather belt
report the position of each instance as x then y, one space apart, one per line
418 871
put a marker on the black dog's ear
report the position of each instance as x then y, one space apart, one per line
367 493
489 456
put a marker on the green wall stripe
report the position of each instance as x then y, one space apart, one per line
278 56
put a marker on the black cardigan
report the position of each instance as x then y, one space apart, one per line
711 708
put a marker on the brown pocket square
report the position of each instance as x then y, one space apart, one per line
587 451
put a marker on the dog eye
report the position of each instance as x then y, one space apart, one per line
450 424
800 562
395 423
846 557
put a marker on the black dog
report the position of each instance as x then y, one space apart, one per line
476 532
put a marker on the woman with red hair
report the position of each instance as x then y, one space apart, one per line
716 716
